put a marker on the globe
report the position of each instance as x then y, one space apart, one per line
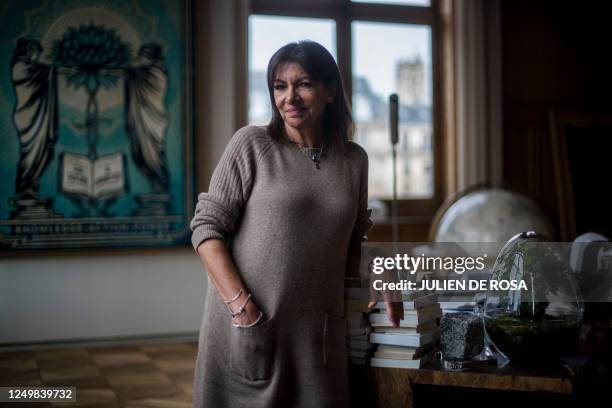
489 215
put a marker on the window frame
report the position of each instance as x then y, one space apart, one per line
344 12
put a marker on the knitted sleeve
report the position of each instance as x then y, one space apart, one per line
218 210
363 223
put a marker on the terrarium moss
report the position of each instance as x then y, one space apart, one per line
522 338
522 324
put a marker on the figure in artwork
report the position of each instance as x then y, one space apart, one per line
34 115
147 115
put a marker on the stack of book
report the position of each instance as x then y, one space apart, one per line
358 327
408 345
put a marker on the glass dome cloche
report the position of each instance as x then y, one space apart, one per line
541 324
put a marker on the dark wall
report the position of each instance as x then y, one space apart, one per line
556 62
557 52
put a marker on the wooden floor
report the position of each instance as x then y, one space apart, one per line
151 375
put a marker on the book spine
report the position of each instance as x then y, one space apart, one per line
396 339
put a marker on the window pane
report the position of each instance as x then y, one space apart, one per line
266 35
394 58
424 3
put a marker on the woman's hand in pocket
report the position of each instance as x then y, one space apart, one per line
250 314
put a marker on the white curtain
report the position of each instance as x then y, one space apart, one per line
478 91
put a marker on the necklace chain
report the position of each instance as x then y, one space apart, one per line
313 153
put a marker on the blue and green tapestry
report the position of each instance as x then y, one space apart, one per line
95 140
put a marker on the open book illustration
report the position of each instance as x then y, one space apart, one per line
102 178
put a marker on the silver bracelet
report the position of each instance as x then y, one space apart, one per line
241 308
227 302
251 324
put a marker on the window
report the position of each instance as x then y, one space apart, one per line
381 47
393 58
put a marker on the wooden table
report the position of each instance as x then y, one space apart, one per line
393 387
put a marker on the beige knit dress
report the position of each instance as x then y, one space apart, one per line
288 226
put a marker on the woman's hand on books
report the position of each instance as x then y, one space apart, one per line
395 311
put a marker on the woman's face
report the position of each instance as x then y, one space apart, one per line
299 100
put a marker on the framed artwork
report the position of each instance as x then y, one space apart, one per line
95 130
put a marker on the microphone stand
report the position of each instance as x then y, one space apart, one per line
394 131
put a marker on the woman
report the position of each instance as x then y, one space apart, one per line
286 205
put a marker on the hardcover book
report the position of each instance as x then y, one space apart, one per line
410 340
399 363
426 327
412 318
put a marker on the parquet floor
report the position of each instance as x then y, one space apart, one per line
151 375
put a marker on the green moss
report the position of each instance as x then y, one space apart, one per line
525 339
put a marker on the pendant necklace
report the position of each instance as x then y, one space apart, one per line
313 153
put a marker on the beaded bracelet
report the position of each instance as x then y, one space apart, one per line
251 324
233 299
241 308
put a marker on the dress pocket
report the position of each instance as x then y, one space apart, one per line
252 351
334 343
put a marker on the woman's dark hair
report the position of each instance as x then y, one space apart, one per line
320 66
